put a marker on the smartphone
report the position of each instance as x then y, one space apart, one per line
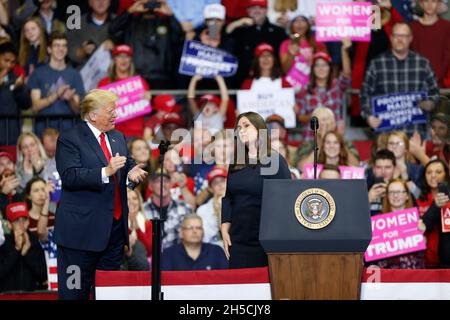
295 38
152 5
378 180
443 188
213 31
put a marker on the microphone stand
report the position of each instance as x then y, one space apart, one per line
314 127
157 224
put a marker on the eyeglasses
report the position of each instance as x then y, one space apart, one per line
404 36
395 144
396 193
191 228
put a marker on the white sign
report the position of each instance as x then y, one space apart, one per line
266 103
96 68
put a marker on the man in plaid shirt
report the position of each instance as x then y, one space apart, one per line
173 210
399 70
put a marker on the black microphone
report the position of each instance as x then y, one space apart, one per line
314 122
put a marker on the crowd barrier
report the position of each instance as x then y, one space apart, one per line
253 284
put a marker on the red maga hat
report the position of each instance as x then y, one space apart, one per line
210 98
173 118
216 172
166 103
16 210
123 48
261 3
263 47
7 155
322 55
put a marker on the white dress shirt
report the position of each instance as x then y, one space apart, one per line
97 134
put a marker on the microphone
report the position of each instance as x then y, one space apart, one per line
314 122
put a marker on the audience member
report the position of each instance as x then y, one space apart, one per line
33 45
193 254
22 261
31 158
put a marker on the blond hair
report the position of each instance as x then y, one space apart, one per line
20 157
96 99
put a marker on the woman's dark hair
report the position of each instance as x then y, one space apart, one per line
425 190
312 78
28 189
343 153
264 147
308 35
255 70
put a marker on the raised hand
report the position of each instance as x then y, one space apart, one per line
116 163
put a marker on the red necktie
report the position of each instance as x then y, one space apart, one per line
117 204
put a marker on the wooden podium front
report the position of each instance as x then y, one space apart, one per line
308 262
313 276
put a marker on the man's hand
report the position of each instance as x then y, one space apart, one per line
426 105
165 9
18 240
377 191
68 94
137 175
116 163
138 7
374 122
88 48
26 244
9 184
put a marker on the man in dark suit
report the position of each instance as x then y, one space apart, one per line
91 227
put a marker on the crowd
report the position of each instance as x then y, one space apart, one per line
40 63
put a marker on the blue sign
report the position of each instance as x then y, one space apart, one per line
398 110
206 61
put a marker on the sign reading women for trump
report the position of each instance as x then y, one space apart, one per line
338 20
131 103
395 234
267 103
206 61
398 110
346 172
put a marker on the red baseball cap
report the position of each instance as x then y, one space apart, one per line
123 48
216 172
322 55
173 118
166 103
210 98
263 47
261 3
16 210
8 155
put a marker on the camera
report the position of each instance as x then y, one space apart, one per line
152 5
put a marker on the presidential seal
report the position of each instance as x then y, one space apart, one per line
315 208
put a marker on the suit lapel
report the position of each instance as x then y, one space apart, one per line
93 143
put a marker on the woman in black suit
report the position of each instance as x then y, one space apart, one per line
254 161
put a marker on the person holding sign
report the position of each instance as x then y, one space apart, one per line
323 90
399 198
431 200
213 111
399 70
254 161
123 68
300 48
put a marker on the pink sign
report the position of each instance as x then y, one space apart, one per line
298 75
346 172
395 234
131 103
338 20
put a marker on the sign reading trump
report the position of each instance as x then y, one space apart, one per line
398 110
395 234
131 103
206 61
338 20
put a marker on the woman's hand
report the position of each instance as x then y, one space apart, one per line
346 43
224 228
441 199
421 226
293 48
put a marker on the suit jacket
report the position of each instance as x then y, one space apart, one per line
85 214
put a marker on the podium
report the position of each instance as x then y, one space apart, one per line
315 233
